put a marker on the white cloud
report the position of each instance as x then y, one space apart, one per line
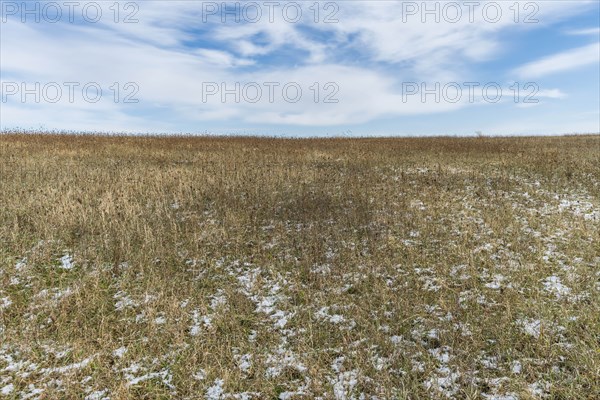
585 32
551 94
561 62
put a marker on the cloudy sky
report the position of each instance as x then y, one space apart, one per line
302 68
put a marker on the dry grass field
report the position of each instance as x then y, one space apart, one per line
246 268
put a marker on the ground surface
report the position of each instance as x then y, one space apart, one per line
264 269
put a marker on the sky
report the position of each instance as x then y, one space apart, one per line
305 68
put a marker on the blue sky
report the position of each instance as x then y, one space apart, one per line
177 57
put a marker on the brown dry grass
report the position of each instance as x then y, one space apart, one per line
394 268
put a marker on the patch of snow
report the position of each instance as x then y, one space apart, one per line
123 301
554 285
215 392
164 375
539 389
508 396
5 302
8 389
490 362
244 362
33 391
198 322
532 327
252 336
337 364
516 367
282 358
200 375
496 283
396 339
68 368
344 383
98 395
281 318
444 382
120 352
323 314
441 354
218 300
433 334
66 262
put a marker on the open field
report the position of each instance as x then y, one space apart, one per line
244 268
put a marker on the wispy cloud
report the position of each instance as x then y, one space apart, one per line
560 62
585 32
551 94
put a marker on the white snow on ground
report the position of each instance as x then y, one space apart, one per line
554 285
8 389
496 283
324 314
344 381
215 392
281 318
200 375
198 322
532 327
120 352
98 395
579 206
123 301
516 367
281 358
21 265
164 375
490 362
32 392
58 353
5 302
66 262
244 362
539 389
68 368
270 299
444 381
54 294
509 396
195 328
218 300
